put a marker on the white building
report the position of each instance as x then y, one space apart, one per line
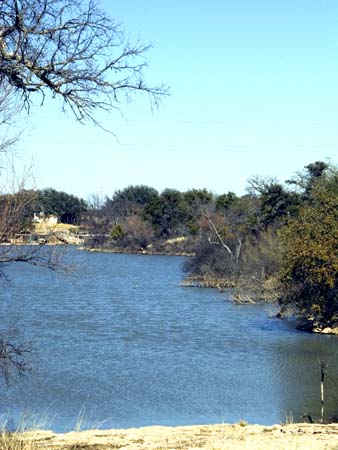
47 220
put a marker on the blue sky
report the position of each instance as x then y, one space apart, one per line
254 90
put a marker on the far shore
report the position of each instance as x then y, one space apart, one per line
238 436
135 252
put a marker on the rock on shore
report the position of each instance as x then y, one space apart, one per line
313 325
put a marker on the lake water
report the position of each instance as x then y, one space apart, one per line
119 343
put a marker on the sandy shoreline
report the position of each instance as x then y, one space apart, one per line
208 437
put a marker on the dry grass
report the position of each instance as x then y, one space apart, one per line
240 436
15 441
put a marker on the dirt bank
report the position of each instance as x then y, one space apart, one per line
208 437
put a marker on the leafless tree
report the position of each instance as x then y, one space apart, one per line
67 49
233 254
15 220
15 204
72 50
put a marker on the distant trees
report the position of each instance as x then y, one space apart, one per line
198 203
156 216
175 213
133 234
15 214
275 241
278 237
129 202
281 238
275 205
225 232
167 213
225 201
66 207
73 51
305 179
139 194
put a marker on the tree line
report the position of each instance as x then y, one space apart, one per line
278 241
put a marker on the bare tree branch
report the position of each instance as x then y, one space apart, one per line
219 237
16 208
238 248
72 51
13 359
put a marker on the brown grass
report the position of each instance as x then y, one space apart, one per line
240 436
15 441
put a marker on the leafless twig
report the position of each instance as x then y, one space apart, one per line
73 51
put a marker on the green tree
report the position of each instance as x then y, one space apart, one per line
140 194
67 207
309 275
304 181
276 204
130 201
116 233
198 202
198 198
224 201
15 214
167 213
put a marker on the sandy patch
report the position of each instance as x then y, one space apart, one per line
209 437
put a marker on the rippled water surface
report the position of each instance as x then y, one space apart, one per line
119 343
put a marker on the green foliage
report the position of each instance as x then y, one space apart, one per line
316 169
309 274
304 181
67 207
197 198
16 212
140 194
128 202
116 232
276 204
242 213
225 201
261 255
193 228
167 213
284 233
198 202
